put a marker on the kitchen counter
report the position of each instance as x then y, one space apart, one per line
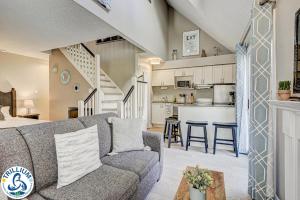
209 113
194 105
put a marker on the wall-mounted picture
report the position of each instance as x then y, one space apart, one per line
191 43
65 77
105 4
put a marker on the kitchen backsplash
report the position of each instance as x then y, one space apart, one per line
172 93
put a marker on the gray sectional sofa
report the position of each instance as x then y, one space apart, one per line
129 175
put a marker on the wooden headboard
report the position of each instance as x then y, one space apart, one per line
9 99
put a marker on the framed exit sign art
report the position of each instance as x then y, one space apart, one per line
191 43
106 4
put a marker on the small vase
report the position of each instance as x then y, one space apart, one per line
196 194
284 95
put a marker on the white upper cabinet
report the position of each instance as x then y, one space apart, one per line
208 75
198 78
227 74
163 78
234 73
218 74
223 74
184 72
203 75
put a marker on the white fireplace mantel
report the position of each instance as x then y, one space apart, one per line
286 127
286 105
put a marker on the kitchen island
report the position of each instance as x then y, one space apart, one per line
209 113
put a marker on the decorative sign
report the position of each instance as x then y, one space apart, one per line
191 43
17 182
106 4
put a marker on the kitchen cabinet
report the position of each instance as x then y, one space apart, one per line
223 74
161 111
163 78
227 74
203 75
184 72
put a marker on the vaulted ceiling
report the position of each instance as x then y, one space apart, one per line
30 27
224 20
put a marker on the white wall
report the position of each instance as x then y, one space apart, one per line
30 78
117 59
179 24
142 23
285 33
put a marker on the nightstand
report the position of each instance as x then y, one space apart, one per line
30 116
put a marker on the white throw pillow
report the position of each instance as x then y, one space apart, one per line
127 134
77 154
5 112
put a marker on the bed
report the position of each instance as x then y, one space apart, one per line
10 99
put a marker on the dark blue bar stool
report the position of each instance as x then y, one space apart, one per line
191 138
233 142
165 128
173 130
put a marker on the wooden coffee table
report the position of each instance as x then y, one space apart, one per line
215 192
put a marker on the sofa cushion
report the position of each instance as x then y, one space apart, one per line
105 183
13 151
104 130
40 140
139 162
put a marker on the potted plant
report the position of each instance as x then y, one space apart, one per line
284 90
199 180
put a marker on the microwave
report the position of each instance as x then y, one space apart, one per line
184 84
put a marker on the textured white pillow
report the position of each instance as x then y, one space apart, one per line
5 112
127 134
77 154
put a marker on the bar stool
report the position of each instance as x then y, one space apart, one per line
173 131
191 138
233 142
165 127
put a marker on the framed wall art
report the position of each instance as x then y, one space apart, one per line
105 4
191 43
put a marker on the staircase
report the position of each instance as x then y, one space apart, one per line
112 94
106 95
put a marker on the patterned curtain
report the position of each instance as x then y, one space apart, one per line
261 156
242 98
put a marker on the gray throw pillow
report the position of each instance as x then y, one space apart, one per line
127 134
1 115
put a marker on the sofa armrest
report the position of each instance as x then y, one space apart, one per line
155 141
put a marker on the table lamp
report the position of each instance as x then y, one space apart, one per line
28 104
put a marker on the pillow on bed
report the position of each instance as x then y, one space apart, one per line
5 111
1 115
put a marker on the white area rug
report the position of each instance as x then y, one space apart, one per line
177 159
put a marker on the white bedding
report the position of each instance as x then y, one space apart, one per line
17 121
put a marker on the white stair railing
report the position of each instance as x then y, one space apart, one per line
89 67
88 106
135 102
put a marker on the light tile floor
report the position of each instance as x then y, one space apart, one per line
177 159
